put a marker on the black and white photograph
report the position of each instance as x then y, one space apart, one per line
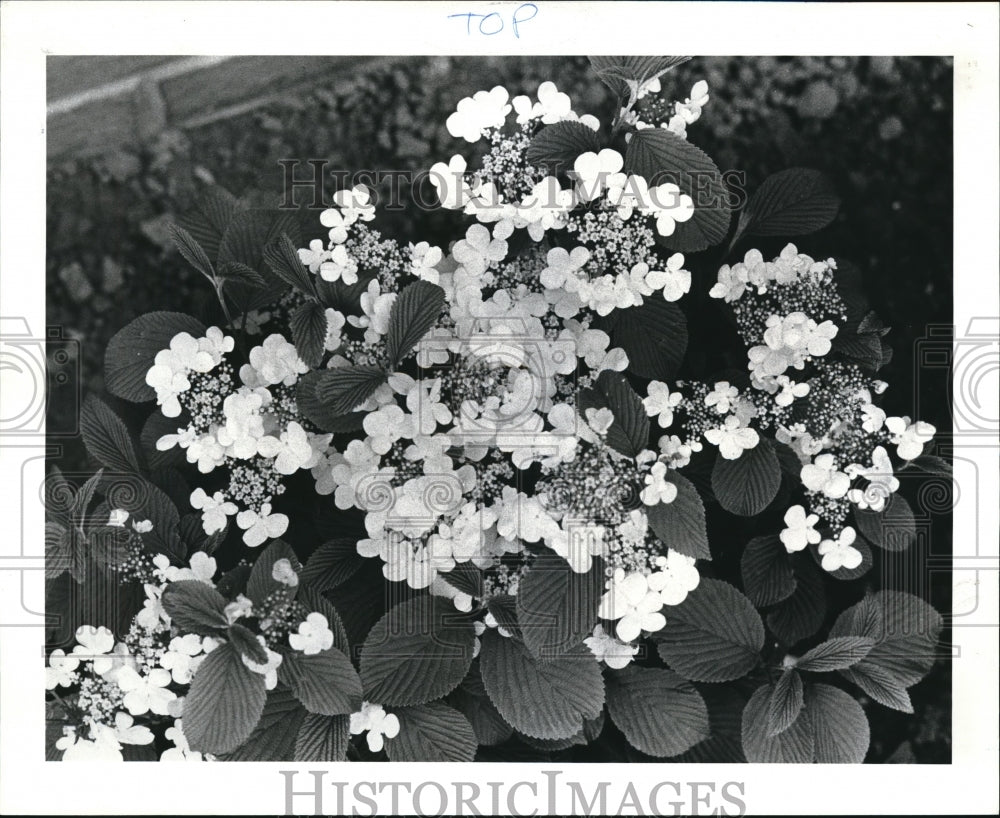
543 411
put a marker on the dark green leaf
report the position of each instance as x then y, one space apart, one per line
207 220
930 464
418 652
747 485
894 528
195 607
322 738
319 412
791 202
471 699
542 699
131 351
556 606
621 73
325 682
556 147
466 577
654 336
155 427
308 324
681 524
629 433
503 608
767 571
273 739
343 390
792 746
416 309
840 726
247 235
714 635
725 720
232 273
106 437
331 564
801 614
193 252
246 643
282 259
224 703
659 712
659 156
836 653
431 732
785 703
881 684
313 600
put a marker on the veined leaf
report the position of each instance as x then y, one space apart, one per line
309 325
785 703
629 433
840 727
794 745
681 524
343 390
557 146
193 252
415 310
767 571
747 485
106 437
195 607
431 732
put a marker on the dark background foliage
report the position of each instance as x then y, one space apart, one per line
880 127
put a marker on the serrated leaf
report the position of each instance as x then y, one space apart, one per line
784 703
431 732
343 390
801 614
418 652
471 700
881 685
840 727
320 413
282 259
145 500
465 577
332 564
795 745
273 739
747 485
659 712
224 703
767 571
155 427
247 235
322 738
930 464
725 717
836 654
556 606
262 582
192 251
714 635
681 523
893 529
326 682
654 336
619 73
207 220
233 273
629 433
542 699
791 202
195 607
106 437
416 309
556 147
659 156
245 641
308 325
131 351
503 608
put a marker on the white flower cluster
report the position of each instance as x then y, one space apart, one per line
678 115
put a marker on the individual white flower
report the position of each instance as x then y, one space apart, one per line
335 322
732 438
152 617
789 390
607 649
473 115
128 732
658 489
669 207
730 285
94 643
117 518
291 452
379 724
315 254
674 281
674 578
675 452
148 693
215 510
376 307
60 670
562 265
722 397
478 250
338 224
284 572
552 106
661 402
872 418
909 437
799 529
630 600
314 635
238 608
179 657
341 266
102 747
387 425
269 669
599 420
597 171
273 362
258 528
424 260
882 482
355 204
823 476
840 553
449 181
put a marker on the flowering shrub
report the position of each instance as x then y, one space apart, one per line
456 496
